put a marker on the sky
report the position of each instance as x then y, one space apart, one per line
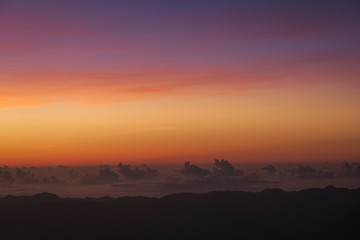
87 82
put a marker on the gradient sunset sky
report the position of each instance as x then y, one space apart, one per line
104 81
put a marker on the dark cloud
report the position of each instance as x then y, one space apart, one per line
6 177
105 176
188 177
73 175
307 172
63 167
269 169
129 173
105 166
224 168
52 180
350 170
193 170
25 176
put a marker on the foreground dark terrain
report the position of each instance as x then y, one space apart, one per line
271 214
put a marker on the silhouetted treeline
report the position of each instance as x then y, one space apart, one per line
270 214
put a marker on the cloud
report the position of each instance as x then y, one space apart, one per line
224 168
52 180
127 172
105 176
73 175
350 170
193 170
269 169
63 167
307 172
6 177
25 176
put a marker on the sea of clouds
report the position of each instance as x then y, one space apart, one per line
159 180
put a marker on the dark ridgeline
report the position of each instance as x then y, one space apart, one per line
329 213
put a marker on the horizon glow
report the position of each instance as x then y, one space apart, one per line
102 82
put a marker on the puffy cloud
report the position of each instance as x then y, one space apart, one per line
127 172
269 169
307 172
193 170
25 176
350 170
105 176
224 168
6 177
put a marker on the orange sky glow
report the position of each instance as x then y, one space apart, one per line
154 86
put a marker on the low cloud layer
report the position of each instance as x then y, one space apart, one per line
221 168
25 176
6 177
160 180
133 173
193 170
269 169
52 180
224 168
306 172
105 176
350 170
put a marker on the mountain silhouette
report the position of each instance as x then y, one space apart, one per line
329 213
